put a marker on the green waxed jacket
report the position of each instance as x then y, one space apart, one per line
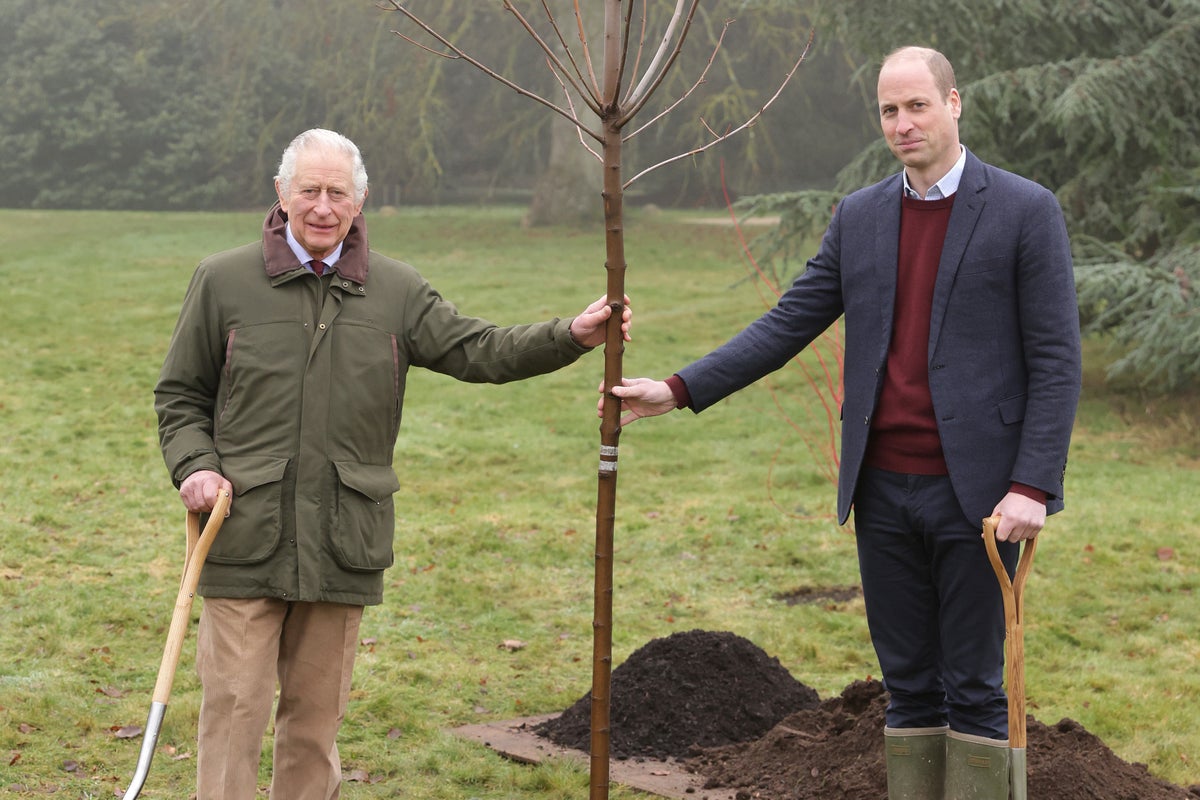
291 386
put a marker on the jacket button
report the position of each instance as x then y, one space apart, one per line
321 326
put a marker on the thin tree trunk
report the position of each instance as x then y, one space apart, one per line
610 426
603 97
610 434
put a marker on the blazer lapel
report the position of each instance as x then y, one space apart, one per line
968 205
887 256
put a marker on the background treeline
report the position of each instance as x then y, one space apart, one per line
146 104
150 104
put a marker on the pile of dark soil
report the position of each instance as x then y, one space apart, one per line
732 714
694 689
835 752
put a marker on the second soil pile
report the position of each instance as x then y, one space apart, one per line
736 716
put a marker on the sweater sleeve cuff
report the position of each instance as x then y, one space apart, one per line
1028 491
683 399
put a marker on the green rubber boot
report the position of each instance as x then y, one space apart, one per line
916 762
977 768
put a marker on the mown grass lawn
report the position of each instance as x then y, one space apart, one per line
717 516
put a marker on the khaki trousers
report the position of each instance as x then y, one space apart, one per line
243 647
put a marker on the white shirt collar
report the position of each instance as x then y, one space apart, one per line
944 188
303 256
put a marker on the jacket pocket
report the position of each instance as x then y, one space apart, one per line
982 265
364 522
252 532
1012 409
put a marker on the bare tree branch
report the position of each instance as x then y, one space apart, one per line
459 54
427 48
728 132
559 67
641 44
624 49
614 54
640 102
722 137
636 94
562 40
699 81
587 53
571 105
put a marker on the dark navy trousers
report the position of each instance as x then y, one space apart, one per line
934 606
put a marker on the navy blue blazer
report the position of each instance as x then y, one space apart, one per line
1004 343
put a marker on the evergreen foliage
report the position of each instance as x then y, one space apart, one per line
1098 101
146 104
91 113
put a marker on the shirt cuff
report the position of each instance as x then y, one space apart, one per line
1028 491
683 398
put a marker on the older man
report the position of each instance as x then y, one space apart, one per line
962 374
284 382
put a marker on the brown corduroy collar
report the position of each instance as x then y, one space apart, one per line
279 258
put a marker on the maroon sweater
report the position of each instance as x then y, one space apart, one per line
904 435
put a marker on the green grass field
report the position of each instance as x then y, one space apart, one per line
717 516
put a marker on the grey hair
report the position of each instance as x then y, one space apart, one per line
330 141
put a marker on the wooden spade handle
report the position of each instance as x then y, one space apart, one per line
193 536
197 551
1013 592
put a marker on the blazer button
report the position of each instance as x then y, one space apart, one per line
867 420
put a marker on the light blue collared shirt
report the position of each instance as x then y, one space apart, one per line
944 188
303 255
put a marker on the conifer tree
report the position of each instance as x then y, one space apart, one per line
1098 101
